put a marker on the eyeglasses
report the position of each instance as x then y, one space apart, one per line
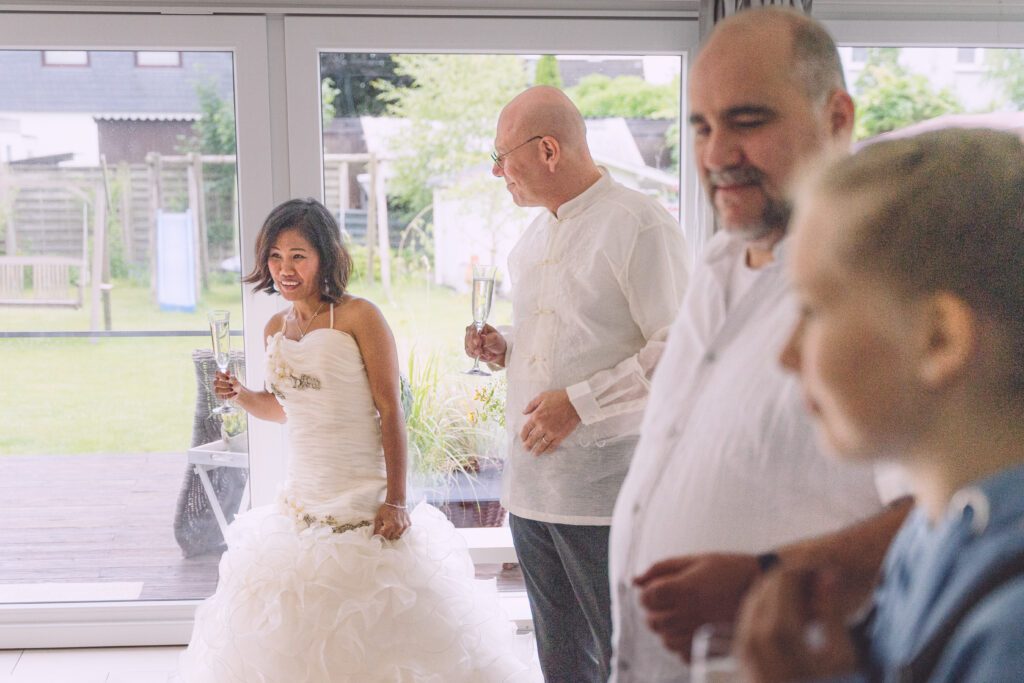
499 159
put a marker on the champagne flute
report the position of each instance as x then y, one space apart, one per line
220 331
712 660
483 294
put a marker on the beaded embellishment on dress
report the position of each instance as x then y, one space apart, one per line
298 512
281 374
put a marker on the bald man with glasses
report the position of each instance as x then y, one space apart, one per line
597 279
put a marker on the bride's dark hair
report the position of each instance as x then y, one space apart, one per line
315 223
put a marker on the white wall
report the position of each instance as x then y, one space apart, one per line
42 134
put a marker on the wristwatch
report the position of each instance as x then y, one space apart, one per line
767 561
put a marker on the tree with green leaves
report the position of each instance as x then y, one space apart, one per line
450 106
631 97
328 95
1006 67
355 76
547 72
889 97
214 131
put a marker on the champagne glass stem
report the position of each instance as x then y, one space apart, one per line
476 359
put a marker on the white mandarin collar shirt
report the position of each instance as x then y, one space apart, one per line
596 287
727 460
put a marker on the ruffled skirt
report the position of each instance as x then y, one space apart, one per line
298 603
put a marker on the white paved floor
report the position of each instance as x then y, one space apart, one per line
123 664
89 665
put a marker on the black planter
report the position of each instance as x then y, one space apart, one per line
468 499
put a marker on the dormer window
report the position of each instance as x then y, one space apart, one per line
65 58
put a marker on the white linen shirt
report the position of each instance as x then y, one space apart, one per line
595 289
727 460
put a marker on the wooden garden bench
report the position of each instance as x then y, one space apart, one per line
51 278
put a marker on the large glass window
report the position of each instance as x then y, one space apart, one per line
407 170
118 233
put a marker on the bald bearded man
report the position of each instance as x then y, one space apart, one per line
597 278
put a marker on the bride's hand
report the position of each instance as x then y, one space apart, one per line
391 522
226 386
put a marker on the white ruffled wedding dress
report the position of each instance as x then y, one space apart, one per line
307 593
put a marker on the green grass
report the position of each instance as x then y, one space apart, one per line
430 319
137 395
132 306
111 395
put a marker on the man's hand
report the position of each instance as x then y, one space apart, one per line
792 628
682 593
488 345
552 418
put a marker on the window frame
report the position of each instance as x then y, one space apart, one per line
148 622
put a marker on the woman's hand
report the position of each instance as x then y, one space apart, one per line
227 386
391 522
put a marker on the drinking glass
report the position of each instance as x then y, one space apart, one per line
483 293
220 332
711 659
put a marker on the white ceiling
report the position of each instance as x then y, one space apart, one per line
488 7
827 9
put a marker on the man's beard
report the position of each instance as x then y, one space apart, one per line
775 215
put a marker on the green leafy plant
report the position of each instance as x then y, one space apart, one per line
1006 69
598 97
547 72
450 126
891 97
442 438
328 94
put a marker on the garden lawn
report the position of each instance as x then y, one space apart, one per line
136 395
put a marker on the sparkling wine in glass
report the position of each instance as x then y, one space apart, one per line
483 294
220 332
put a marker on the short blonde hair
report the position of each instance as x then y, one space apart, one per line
942 211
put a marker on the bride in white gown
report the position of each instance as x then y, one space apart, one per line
335 581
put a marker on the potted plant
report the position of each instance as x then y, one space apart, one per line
454 437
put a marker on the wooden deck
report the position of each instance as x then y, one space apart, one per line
108 518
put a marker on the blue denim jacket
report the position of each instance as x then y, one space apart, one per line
930 568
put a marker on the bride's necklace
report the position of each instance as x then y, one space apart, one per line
303 330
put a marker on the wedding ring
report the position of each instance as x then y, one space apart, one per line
545 440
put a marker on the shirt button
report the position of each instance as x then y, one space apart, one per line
623 666
636 508
709 357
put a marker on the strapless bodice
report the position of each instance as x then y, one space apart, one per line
337 463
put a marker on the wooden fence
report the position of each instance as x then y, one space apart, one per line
50 211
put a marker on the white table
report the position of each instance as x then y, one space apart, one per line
216 454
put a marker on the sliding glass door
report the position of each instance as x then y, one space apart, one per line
129 160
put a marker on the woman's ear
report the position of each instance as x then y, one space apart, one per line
950 336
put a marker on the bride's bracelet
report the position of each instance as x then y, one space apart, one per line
393 505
